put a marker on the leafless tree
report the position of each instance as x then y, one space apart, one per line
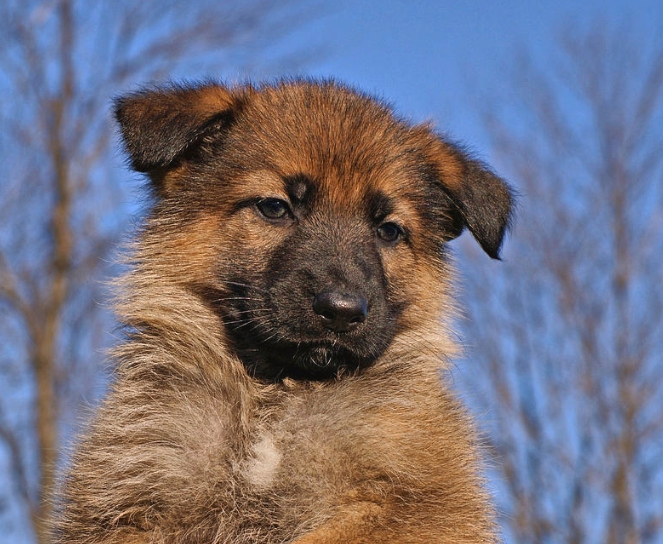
567 334
61 207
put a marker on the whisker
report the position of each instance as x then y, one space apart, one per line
249 319
247 322
252 310
224 299
247 285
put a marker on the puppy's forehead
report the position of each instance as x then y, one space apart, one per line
344 146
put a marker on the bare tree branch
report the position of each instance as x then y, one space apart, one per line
569 349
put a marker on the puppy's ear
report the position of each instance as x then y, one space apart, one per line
483 201
159 125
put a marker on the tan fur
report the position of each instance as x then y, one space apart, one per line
189 447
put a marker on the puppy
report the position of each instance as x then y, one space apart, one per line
287 328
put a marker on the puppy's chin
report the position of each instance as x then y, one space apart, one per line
303 361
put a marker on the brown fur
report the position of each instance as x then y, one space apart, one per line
205 440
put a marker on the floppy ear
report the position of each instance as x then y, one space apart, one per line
483 201
158 125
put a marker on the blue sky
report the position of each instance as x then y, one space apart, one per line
428 58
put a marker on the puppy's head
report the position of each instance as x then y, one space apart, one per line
306 216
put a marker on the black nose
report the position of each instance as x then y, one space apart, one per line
340 312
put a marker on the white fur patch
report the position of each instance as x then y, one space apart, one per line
261 469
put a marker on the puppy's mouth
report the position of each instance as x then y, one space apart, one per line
318 360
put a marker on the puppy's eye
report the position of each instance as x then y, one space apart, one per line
273 208
390 232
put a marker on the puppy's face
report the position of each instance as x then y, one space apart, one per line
307 217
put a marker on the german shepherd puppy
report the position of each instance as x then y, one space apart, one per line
283 379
